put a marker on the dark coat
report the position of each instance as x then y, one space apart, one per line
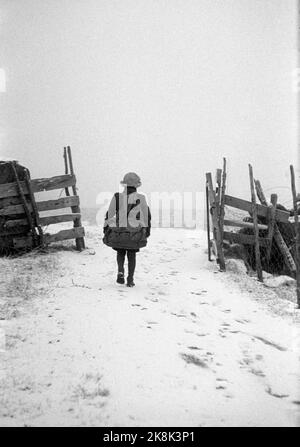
128 221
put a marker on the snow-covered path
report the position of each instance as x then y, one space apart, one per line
185 347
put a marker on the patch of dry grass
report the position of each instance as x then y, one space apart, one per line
24 278
90 387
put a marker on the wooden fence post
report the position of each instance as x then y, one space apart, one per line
66 169
222 199
25 205
214 209
218 189
271 224
293 185
34 208
80 244
256 230
208 224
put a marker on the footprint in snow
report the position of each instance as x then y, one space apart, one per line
192 359
279 396
244 321
257 372
221 333
270 343
178 315
154 300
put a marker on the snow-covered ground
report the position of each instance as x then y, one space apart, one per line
188 346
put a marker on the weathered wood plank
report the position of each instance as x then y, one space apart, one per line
208 224
11 190
272 223
247 239
16 223
49 220
14 209
222 198
22 242
73 233
62 235
34 209
8 201
255 223
80 243
214 210
44 221
47 205
38 185
21 193
9 232
66 169
57 182
63 202
240 224
262 210
218 190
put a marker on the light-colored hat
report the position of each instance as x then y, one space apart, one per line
131 179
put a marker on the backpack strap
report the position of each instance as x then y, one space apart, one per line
117 197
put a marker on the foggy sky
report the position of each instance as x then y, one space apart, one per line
165 88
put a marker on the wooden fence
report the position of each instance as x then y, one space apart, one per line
217 199
296 200
18 198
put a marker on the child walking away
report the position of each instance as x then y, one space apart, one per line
127 225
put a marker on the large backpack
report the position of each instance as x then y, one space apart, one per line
128 238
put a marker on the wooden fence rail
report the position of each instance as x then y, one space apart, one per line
72 233
38 185
46 205
262 210
17 198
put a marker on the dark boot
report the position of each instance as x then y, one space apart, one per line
120 260
120 278
130 282
131 267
